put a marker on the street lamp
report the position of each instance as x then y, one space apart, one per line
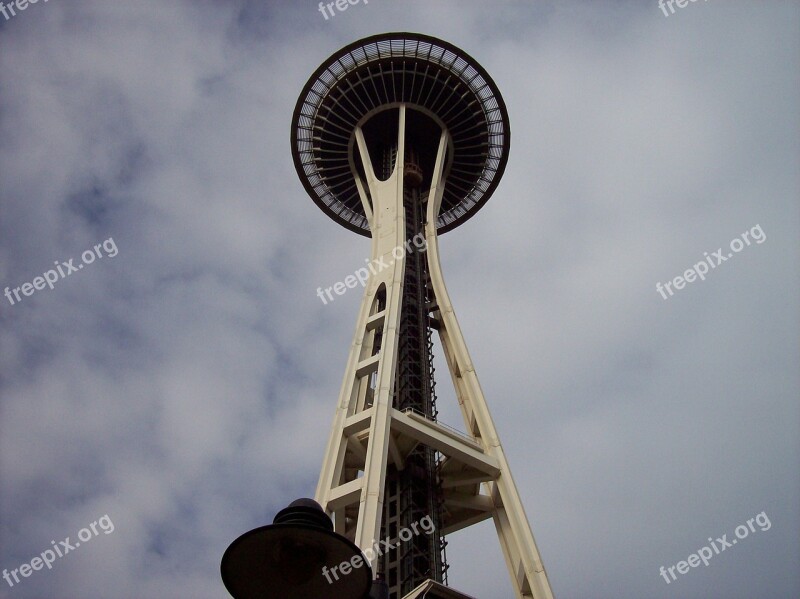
285 560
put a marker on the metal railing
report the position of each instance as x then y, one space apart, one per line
457 432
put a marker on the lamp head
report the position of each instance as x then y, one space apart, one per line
285 559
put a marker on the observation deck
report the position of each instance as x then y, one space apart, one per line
362 85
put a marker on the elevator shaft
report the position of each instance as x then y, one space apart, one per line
413 494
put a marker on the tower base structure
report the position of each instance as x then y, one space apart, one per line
431 589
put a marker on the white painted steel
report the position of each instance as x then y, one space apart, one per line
367 433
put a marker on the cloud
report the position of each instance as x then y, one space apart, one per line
186 386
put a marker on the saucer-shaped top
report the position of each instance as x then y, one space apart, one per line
427 75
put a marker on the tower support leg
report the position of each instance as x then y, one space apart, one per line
516 539
352 480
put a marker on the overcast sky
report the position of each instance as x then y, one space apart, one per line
185 386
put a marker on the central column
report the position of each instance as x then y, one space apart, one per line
413 493
395 197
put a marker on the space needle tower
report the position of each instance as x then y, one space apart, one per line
403 136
